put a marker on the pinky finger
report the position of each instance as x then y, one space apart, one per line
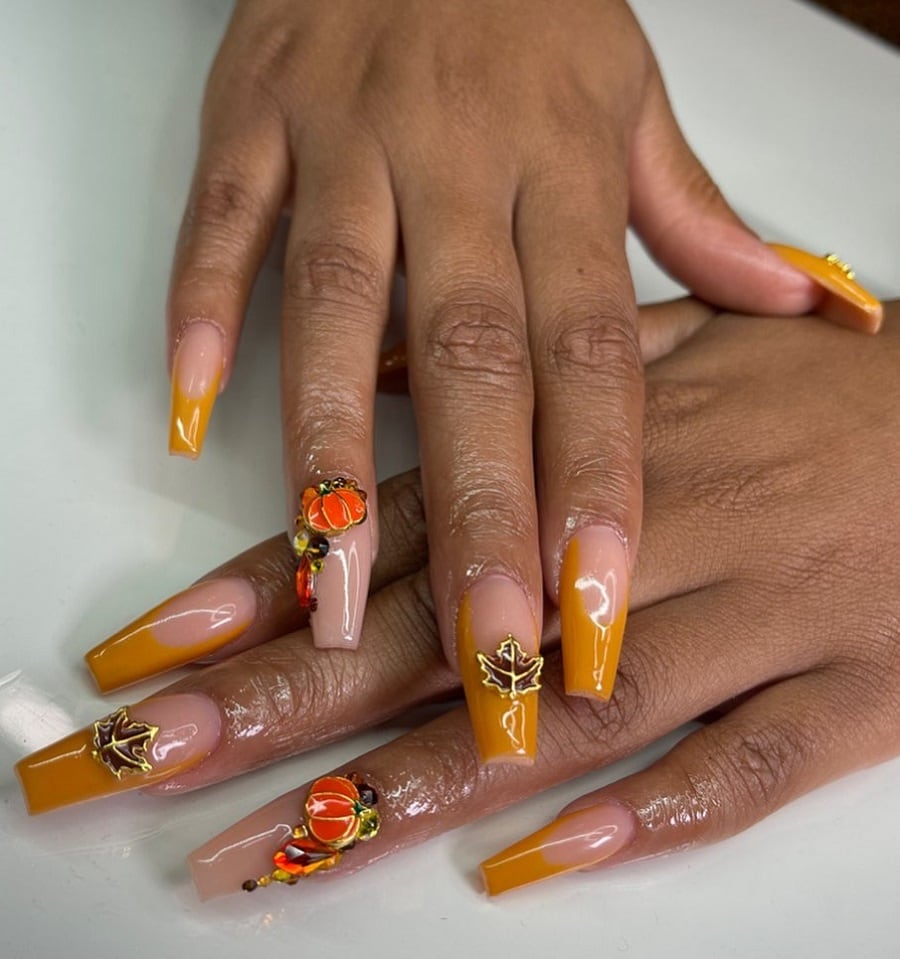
714 784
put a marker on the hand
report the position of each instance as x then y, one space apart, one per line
765 593
505 145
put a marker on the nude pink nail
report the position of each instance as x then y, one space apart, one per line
342 589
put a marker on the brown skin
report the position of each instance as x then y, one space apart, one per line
766 592
504 145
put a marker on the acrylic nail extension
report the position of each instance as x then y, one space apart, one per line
593 606
575 841
500 666
301 834
333 544
196 373
192 624
132 747
847 302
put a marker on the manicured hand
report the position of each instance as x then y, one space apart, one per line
765 596
504 146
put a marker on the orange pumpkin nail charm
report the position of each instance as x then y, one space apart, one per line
326 510
339 812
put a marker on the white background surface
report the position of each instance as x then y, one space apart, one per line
796 116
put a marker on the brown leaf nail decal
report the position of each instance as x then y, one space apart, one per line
121 743
510 670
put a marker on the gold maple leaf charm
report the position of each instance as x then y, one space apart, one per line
511 671
121 743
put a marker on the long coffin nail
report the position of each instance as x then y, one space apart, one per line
195 384
128 749
847 302
333 544
298 835
593 606
192 624
574 841
500 666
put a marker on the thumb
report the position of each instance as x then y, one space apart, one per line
690 229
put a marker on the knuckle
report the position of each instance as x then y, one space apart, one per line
477 331
490 511
340 272
599 338
759 766
223 201
320 419
743 488
610 480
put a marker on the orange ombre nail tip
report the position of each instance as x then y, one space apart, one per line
191 624
593 608
195 385
500 667
574 841
848 303
130 748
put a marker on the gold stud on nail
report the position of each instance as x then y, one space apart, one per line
845 268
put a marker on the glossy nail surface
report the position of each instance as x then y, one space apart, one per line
499 663
341 590
192 624
847 302
574 841
195 384
593 606
130 748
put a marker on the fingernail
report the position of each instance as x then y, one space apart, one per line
593 606
341 591
195 384
190 625
574 841
132 747
847 302
500 666
299 835
334 551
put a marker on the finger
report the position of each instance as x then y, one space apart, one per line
471 383
431 780
715 783
689 227
589 387
662 328
260 705
338 271
241 178
249 600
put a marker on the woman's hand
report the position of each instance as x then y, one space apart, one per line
504 145
765 600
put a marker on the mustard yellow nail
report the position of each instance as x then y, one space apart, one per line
593 607
192 624
847 302
195 384
130 748
574 841
500 666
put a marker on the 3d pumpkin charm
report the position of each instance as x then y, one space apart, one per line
328 509
339 812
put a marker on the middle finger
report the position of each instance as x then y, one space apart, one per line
470 378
